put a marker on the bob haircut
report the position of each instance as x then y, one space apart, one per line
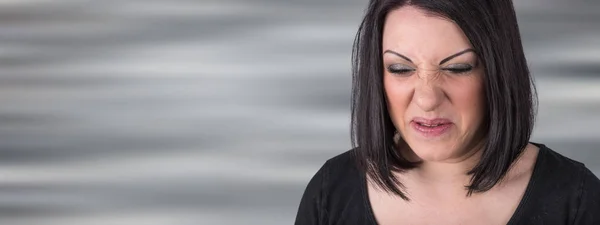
491 27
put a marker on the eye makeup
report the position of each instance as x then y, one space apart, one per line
458 68
400 69
455 68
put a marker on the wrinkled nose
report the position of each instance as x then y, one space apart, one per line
428 93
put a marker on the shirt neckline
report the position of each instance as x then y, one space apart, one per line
515 216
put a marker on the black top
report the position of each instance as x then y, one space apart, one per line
560 191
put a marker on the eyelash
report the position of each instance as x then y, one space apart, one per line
460 69
457 70
404 70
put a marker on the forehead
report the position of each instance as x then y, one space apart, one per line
411 30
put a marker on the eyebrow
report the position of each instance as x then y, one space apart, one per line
441 62
455 55
398 54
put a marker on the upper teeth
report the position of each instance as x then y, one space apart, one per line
429 125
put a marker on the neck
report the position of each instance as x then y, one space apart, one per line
449 172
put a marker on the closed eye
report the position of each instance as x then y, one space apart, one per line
458 68
400 69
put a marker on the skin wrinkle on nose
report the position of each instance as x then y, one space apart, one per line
436 74
428 89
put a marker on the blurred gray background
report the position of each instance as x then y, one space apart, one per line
219 112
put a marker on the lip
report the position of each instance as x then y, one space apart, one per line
443 126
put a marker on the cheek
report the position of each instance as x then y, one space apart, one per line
467 99
397 91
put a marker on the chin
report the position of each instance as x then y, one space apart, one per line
433 151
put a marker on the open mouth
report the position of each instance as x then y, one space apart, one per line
430 125
432 128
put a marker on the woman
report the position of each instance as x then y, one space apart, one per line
443 109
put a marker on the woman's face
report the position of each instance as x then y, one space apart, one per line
433 84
